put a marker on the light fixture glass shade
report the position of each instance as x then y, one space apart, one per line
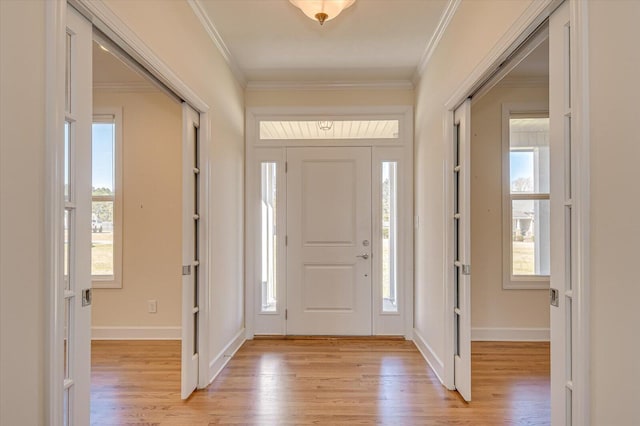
322 10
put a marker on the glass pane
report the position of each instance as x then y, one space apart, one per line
67 76
66 408
103 154
66 346
67 161
344 129
102 238
269 237
389 236
530 237
67 249
529 156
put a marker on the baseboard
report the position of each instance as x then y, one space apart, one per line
429 355
224 356
510 334
136 333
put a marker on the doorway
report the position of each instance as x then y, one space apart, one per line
329 222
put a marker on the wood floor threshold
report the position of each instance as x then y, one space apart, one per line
327 337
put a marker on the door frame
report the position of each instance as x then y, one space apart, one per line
274 151
102 18
524 27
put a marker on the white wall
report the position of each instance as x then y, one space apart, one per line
465 43
173 32
22 285
494 309
152 214
614 68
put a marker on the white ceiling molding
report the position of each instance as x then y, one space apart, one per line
445 19
125 87
329 85
215 36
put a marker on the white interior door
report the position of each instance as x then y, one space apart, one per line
462 250
563 298
190 249
75 320
329 241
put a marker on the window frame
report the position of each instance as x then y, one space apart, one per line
108 115
510 281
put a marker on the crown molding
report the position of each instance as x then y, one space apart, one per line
127 87
445 19
215 36
329 85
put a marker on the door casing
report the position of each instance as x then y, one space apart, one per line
530 20
257 151
108 23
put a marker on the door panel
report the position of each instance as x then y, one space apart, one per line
462 250
190 245
328 222
76 294
562 219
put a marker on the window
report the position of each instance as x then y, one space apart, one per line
339 129
389 236
526 213
269 237
106 211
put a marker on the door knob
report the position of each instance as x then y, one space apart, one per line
364 256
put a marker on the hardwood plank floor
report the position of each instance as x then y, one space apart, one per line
320 382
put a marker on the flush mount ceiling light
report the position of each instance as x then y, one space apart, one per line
325 125
322 10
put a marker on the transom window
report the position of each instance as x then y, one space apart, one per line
339 129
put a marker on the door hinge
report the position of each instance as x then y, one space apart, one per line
286 314
286 166
286 240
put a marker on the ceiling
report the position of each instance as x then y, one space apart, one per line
108 70
373 40
535 65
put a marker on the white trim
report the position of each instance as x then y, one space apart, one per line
205 238
104 19
511 40
497 334
125 87
55 22
429 355
215 36
256 86
443 23
135 333
218 363
579 11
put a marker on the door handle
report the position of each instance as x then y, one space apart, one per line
364 256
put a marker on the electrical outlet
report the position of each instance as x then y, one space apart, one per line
152 306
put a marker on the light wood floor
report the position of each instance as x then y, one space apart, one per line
321 382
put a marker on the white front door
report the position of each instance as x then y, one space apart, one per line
329 241
190 249
462 250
